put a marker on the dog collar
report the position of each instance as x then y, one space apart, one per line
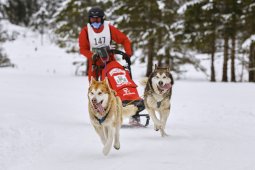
100 121
158 104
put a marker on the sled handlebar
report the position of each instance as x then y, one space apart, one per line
114 51
125 56
105 51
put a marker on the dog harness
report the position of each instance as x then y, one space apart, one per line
159 103
100 121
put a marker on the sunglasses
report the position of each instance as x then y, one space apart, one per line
96 19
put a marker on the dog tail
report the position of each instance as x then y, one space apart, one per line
129 110
144 81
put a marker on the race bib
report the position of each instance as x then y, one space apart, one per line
120 79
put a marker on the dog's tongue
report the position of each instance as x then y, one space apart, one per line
99 108
166 86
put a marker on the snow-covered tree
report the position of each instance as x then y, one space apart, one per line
248 35
46 11
4 60
166 41
1 10
201 21
20 11
147 23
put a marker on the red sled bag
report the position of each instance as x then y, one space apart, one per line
120 78
120 81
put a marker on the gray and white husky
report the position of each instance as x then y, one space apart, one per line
157 95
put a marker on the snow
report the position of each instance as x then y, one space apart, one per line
161 5
208 6
246 44
44 122
2 1
184 7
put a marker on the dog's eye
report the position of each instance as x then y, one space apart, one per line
157 77
100 93
164 77
91 93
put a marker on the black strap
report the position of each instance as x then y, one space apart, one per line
125 56
158 104
100 121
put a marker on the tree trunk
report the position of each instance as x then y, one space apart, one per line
213 79
160 57
225 60
233 50
142 59
150 57
253 54
252 63
167 57
212 69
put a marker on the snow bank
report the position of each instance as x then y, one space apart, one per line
44 122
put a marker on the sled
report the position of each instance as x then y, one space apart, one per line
119 77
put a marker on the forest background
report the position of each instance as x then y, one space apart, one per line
163 32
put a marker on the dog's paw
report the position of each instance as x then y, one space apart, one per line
163 133
106 151
117 147
157 126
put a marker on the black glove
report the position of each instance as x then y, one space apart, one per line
94 57
127 58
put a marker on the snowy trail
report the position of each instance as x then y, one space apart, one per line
44 125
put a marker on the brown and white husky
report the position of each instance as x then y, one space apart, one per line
106 112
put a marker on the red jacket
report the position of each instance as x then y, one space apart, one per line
116 35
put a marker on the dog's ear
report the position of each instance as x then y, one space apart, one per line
107 82
168 69
92 80
114 92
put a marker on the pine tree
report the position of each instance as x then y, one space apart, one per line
148 23
201 23
139 20
44 14
225 31
4 60
230 11
165 34
20 11
1 11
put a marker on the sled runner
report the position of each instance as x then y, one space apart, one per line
119 77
